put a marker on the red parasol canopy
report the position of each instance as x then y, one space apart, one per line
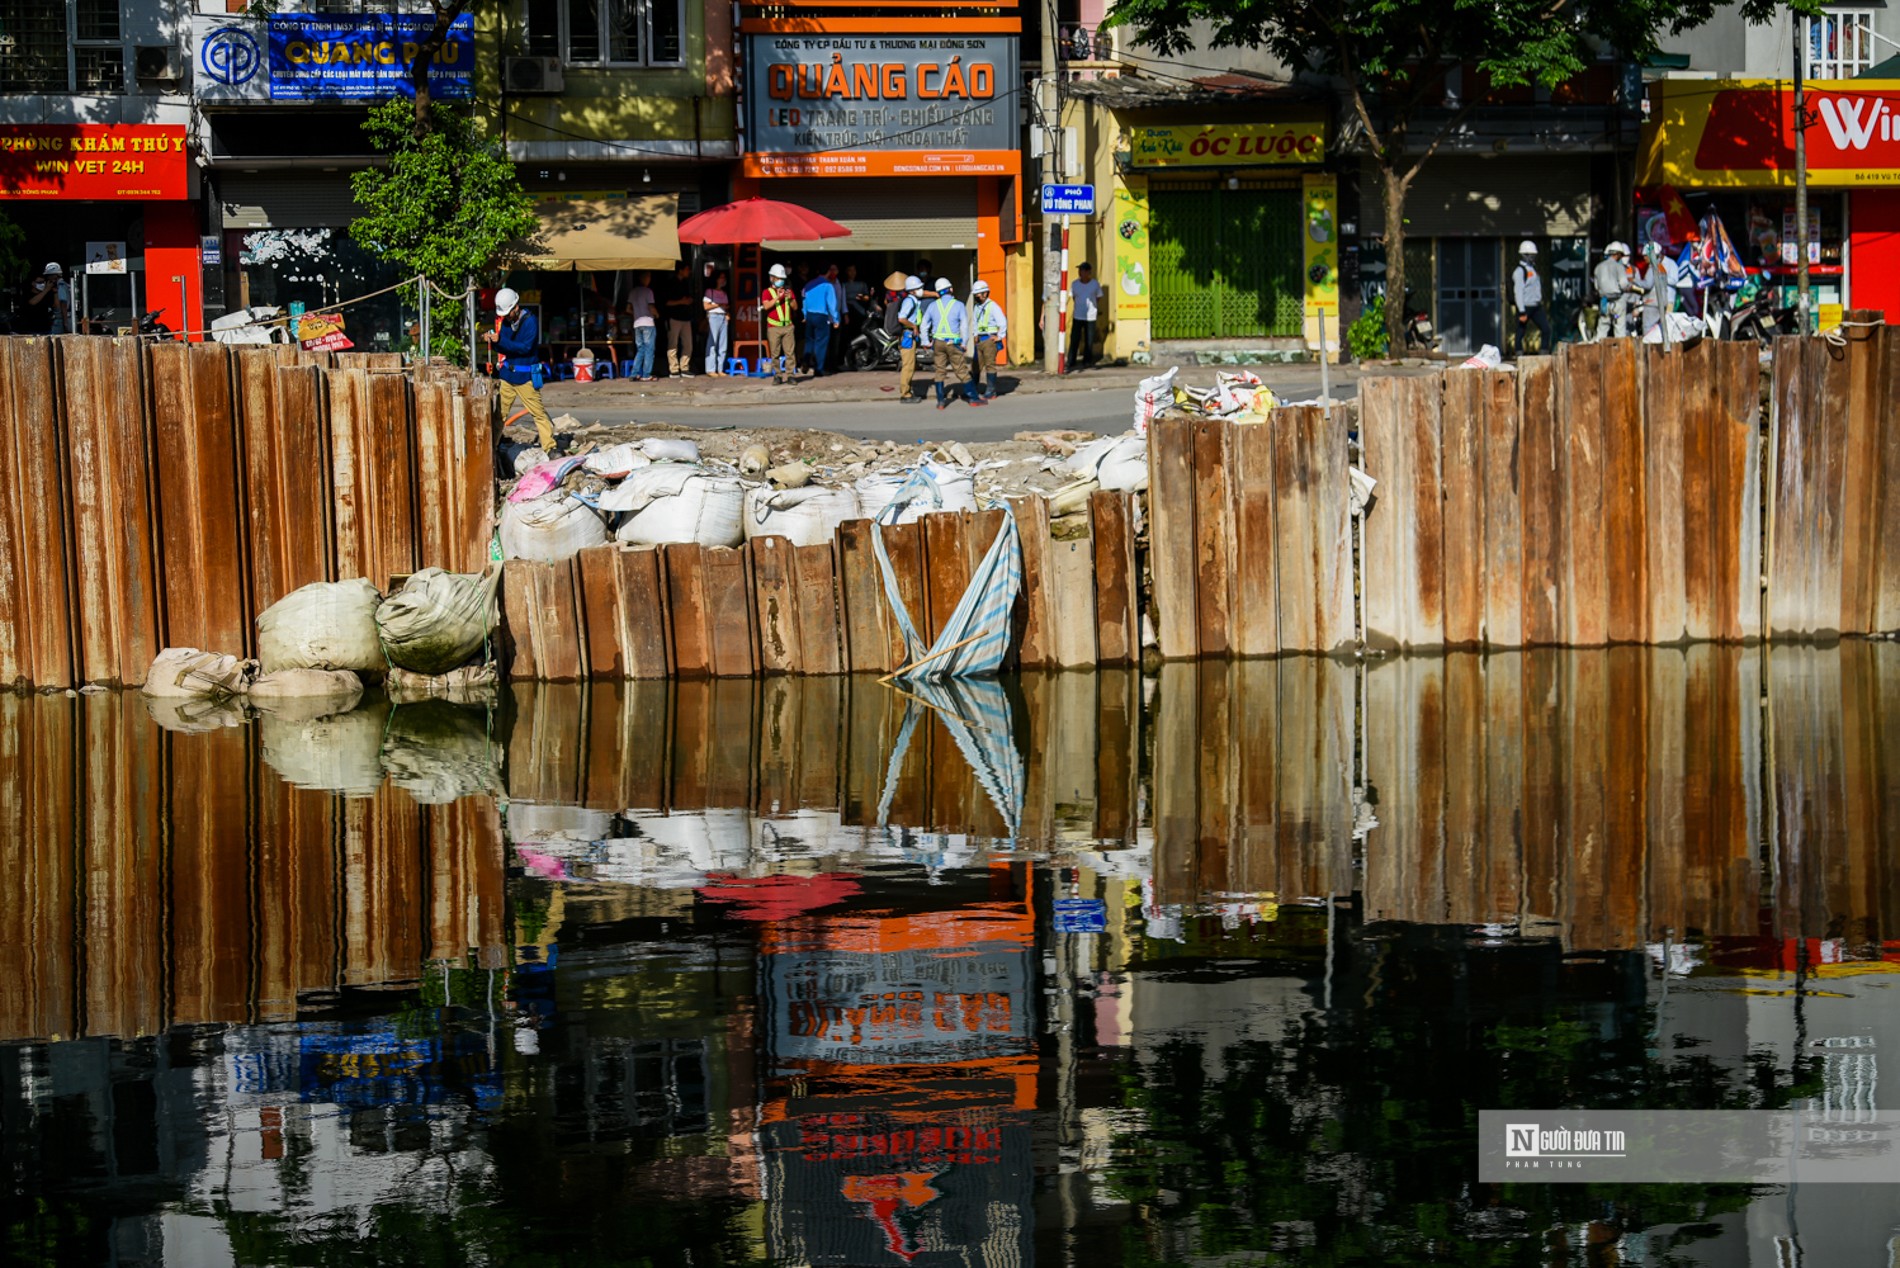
759 220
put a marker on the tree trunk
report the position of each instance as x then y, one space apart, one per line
1393 192
431 44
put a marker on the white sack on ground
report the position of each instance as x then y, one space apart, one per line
184 672
660 449
672 504
1152 395
439 620
324 625
1118 463
340 688
549 529
956 491
804 517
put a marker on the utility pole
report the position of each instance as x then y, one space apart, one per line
1800 24
1048 101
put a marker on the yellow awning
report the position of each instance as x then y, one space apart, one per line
597 234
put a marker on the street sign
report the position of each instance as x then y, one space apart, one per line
211 250
1068 200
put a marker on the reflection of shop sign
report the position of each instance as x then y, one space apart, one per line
881 105
365 58
323 332
1740 133
93 160
1227 145
879 1008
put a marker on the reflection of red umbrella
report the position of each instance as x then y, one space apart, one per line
777 897
759 220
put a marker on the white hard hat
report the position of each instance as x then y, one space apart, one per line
981 288
913 283
1527 247
53 269
945 284
1617 248
778 271
505 301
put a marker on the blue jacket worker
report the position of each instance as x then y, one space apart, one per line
519 364
822 315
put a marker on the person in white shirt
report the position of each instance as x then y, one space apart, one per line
714 300
1086 293
989 328
640 307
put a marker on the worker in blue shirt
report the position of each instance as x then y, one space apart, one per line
989 328
822 315
519 364
946 325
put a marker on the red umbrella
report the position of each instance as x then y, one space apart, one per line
759 220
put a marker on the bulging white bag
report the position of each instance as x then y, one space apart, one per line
673 504
548 529
804 517
439 620
661 449
324 625
1118 463
955 491
1152 396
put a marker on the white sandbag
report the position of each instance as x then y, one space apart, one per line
548 529
804 517
1118 463
955 491
182 672
1486 358
616 462
1152 396
324 625
340 752
340 687
679 504
660 449
439 620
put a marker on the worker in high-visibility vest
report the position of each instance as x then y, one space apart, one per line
947 326
518 364
777 305
989 328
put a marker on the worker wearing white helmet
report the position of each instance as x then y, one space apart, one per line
989 328
947 325
910 316
48 301
519 365
778 306
1613 286
1527 292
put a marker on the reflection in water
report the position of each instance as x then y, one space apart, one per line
1216 965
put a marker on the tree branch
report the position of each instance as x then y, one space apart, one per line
446 12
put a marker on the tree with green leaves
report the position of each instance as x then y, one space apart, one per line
446 204
1389 59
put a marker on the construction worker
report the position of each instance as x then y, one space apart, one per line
519 365
989 328
1527 292
910 316
777 306
947 324
1612 280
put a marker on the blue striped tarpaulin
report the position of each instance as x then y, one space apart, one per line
981 619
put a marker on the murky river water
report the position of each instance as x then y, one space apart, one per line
1211 968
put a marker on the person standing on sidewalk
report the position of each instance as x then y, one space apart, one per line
821 318
682 309
989 328
1527 292
947 325
1086 294
714 301
909 312
777 307
1613 291
519 365
640 307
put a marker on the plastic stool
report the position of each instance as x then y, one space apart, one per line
626 369
767 368
563 370
736 367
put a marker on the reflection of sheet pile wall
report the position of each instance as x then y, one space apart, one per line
182 881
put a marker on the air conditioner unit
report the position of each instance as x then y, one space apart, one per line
164 63
534 74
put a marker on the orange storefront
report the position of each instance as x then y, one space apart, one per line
903 128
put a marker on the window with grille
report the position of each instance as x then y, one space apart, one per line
98 54
51 46
1840 44
607 32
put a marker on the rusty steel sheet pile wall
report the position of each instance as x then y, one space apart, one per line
1608 495
1833 567
167 493
1251 534
617 612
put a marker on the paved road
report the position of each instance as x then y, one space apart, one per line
877 415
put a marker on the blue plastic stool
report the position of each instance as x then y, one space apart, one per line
626 369
767 368
736 366
563 370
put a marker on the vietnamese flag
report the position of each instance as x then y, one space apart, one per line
1677 218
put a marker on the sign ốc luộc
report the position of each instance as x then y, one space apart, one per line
881 105
1227 144
323 57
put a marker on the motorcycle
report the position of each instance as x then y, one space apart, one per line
1418 326
1755 317
877 349
150 326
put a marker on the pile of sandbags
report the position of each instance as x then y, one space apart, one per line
324 625
550 528
805 516
671 503
439 621
944 488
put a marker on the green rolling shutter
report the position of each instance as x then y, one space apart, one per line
1226 262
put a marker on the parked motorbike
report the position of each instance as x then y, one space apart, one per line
151 326
876 349
1757 318
1418 326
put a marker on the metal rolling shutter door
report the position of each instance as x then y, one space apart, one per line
887 213
286 200
1506 195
